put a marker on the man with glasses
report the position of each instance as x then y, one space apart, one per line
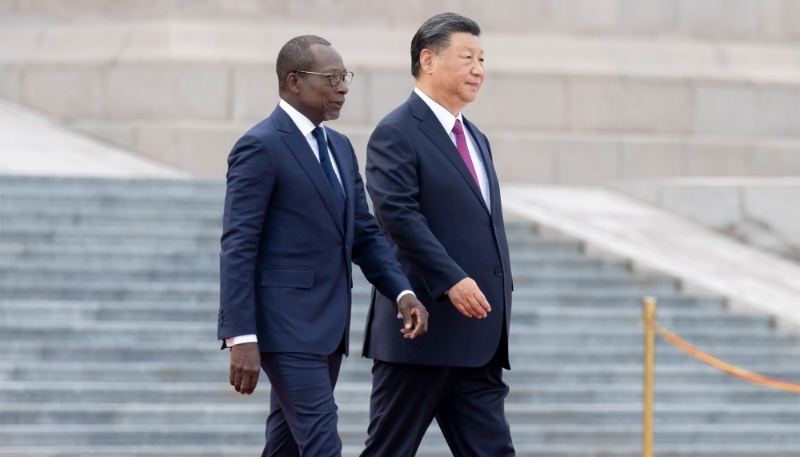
295 219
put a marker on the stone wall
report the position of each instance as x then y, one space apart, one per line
748 20
180 80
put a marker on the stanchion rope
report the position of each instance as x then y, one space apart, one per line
726 367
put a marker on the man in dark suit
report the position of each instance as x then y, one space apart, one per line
295 218
436 196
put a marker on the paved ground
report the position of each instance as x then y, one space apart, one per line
31 144
656 239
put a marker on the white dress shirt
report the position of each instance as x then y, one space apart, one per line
306 128
448 121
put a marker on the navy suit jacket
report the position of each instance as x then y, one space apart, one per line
285 264
432 211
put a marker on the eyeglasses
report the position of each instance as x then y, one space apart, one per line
336 76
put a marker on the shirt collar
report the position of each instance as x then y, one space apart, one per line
445 117
303 123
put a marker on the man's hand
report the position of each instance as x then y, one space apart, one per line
245 367
468 299
415 316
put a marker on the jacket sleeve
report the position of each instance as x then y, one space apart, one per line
371 251
393 184
251 179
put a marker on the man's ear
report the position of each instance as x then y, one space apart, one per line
293 83
426 60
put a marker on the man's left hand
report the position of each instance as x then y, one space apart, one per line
415 316
244 367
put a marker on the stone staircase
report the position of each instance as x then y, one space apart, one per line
108 300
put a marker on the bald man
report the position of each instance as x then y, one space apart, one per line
295 220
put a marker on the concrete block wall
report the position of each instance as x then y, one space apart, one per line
597 159
558 109
758 20
746 20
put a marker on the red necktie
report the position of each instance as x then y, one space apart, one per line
461 144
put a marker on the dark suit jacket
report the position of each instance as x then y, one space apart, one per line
285 265
432 211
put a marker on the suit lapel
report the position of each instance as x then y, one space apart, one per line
299 147
488 165
432 128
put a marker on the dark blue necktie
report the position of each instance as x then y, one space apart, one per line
324 160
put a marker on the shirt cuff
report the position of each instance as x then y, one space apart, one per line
234 340
403 293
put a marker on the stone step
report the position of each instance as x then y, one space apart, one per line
523 313
358 413
31 288
120 251
358 370
132 235
208 351
209 263
200 240
109 291
354 435
674 318
32 212
603 298
110 190
205 265
122 254
68 215
565 335
139 195
539 450
22 275
556 262
191 221
528 318
39 257
50 206
525 280
139 392
592 298
667 354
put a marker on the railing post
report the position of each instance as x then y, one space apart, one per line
649 319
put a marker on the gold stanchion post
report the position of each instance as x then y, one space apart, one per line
649 318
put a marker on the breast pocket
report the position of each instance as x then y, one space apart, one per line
300 278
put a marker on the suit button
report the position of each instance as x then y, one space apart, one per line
494 226
498 272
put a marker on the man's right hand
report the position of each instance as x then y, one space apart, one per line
245 367
468 299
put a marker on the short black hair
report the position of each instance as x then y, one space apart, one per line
296 55
434 34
